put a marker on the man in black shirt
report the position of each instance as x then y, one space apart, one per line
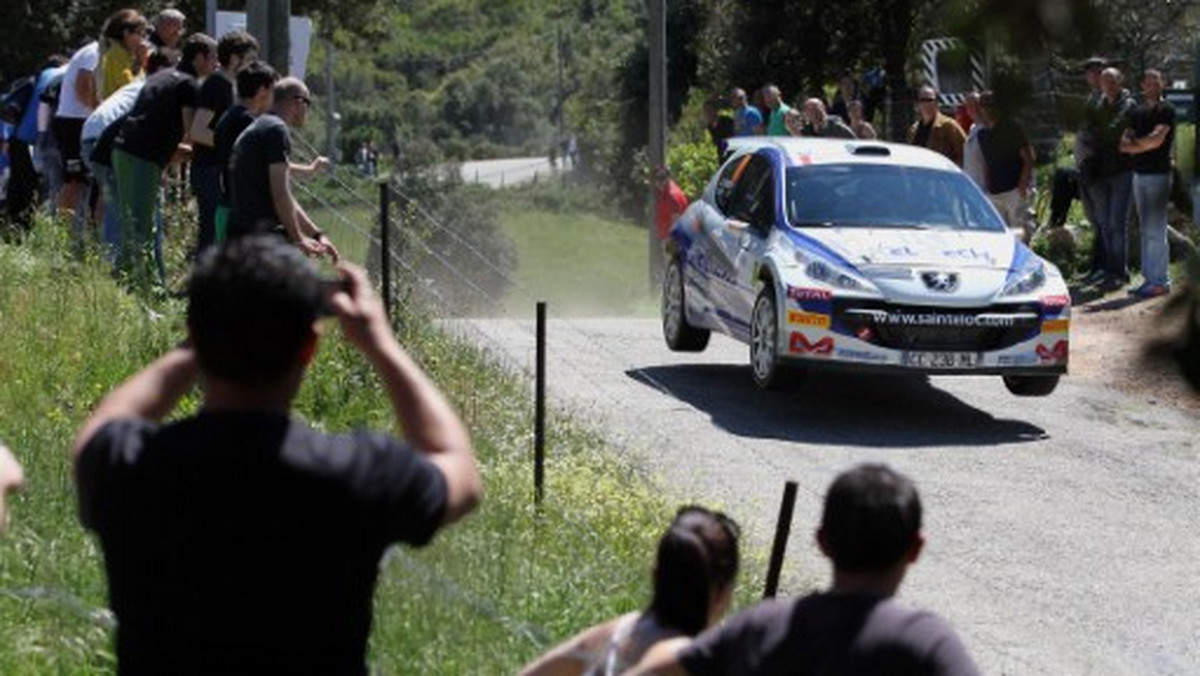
149 139
1148 141
234 50
240 540
256 92
261 173
1008 159
871 530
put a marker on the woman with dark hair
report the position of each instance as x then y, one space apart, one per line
693 585
122 51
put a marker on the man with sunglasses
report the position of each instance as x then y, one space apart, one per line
262 200
936 130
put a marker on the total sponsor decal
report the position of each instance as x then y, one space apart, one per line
1054 305
1056 325
798 342
813 319
1053 354
802 293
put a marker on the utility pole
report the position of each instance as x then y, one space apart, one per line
657 145
267 21
331 117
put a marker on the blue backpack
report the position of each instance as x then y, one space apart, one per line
16 99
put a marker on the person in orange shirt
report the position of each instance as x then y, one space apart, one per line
669 204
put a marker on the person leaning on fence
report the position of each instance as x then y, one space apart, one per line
255 95
694 574
871 531
239 539
261 175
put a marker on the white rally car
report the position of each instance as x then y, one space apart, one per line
866 255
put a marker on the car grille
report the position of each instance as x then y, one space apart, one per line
916 327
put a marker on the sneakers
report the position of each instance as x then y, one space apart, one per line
1150 290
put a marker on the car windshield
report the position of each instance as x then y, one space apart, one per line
886 196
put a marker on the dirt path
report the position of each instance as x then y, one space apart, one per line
1108 341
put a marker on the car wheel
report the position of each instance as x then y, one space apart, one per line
765 366
1031 386
679 334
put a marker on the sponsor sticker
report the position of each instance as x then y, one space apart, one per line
1055 302
813 319
798 342
1016 359
860 355
1053 354
802 293
1056 325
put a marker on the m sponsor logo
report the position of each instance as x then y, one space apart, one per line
812 319
798 342
1053 354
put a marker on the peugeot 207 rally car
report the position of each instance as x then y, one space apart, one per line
864 255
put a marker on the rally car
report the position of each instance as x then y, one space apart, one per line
862 255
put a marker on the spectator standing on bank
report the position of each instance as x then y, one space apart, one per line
747 120
235 49
1110 179
1008 160
871 531
47 157
1085 163
122 52
694 574
773 100
239 539
973 162
669 204
858 123
23 175
256 94
821 124
1149 141
261 171
78 97
169 26
718 126
935 130
151 137
846 93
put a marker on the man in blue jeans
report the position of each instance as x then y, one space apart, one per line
1148 141
1110 178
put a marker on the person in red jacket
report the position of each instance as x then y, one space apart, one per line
670 203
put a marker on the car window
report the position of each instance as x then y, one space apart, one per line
753 198
727 181
876 195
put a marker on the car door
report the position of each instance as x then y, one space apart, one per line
710 273
748 223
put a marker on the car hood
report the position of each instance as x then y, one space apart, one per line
898 262
868 248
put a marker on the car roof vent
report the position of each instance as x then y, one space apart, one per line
873 150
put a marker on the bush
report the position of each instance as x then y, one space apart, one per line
692 165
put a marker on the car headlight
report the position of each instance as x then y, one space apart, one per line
826 272
1028 279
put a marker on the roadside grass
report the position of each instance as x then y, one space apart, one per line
485 597
580 264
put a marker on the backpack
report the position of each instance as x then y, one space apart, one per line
16 99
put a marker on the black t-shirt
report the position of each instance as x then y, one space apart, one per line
921 138
229 127
215 94
263 143
246 542
1001 145
831 635
154 127
1142 120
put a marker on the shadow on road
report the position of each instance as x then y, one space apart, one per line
835 408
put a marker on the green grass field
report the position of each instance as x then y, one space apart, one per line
485 597
581 265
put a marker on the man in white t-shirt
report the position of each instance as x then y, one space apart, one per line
77 100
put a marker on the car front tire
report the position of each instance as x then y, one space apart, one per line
765 366
679 334
1031 386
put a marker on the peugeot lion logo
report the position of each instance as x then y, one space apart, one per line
944 282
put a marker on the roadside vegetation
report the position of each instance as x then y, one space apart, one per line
484 597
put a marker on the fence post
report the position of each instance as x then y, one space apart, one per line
385 247
539 410
782 530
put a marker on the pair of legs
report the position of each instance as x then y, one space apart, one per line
1110 197
1150 195
138 193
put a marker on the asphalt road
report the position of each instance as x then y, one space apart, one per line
509 171
1061 532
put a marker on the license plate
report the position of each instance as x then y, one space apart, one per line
940 360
